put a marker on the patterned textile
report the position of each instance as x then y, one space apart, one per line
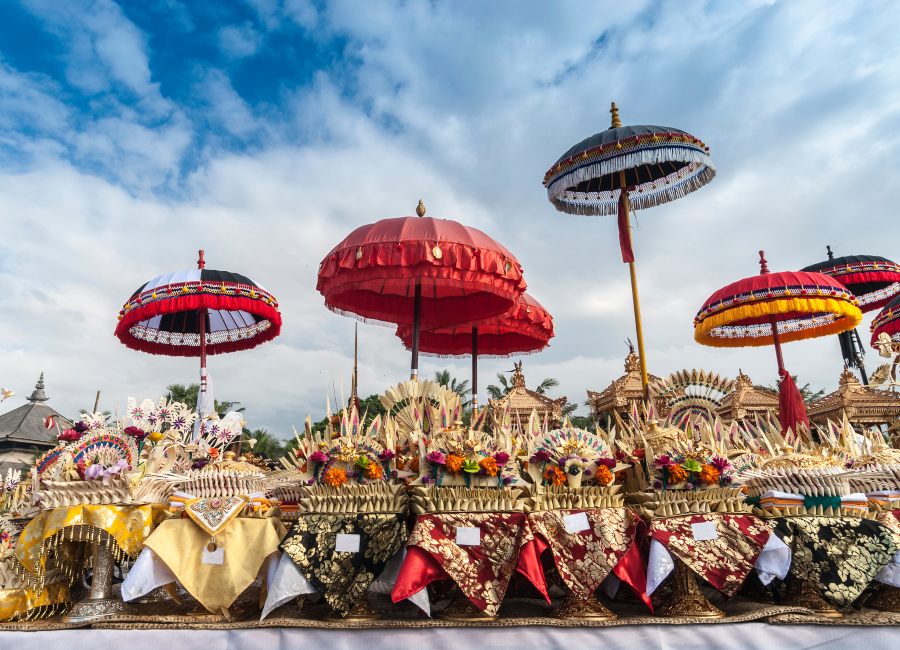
586 558
723 562
245 544
126 526
481 572
839 555
343 577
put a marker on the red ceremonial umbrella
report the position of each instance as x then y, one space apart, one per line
527 327
873 280
422 272
775 308
198 312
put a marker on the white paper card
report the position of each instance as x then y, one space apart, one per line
468 536
346 543
213 557
705 530
576 523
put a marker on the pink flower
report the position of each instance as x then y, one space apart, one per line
540 456
663 461
386 455
436 458
136 433
69 435
608 463
501 457
720 464
318 457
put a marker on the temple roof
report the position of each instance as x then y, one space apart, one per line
859 403
623 390
26 424
524 400
747 397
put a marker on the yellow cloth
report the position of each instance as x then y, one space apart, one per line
247 542
129 526
18 602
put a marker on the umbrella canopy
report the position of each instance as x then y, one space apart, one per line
873 280
464 275
803 304
775 307
654 164
887 322
164 315
527 327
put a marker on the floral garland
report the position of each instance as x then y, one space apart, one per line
691 472
442 464
364 464
558 473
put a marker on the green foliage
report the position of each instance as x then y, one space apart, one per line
806 391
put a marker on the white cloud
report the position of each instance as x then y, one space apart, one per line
239 41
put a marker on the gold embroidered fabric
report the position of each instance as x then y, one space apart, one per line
585 559
126 528
17 603
246 543
839 555
724 562
343 577
481 572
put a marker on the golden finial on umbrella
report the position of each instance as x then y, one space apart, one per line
614 111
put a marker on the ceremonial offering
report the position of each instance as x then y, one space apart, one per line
350 516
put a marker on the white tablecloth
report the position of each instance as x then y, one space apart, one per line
743 636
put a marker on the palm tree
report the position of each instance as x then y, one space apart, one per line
188 395
809 395
266 444
497 391
461 388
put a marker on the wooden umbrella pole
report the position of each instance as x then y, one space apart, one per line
635 299
474 373
417 324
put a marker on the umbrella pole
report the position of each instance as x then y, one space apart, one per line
635 300
474 373
417 324
201 317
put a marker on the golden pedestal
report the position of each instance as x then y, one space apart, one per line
590 609
686 599
803 593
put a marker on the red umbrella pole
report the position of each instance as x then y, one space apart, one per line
417 323
474 373
201 316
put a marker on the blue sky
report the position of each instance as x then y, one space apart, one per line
133 133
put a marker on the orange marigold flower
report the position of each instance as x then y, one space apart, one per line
489 465
677 474
554 475
335 477
374 471
709 475
454 463
603 475
213 452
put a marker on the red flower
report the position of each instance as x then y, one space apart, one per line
69 435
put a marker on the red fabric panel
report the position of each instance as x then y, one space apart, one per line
791 408
529 564
418 571
624 235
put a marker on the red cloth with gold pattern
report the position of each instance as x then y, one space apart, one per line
724 562
584 559
481 572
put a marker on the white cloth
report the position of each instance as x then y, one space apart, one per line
774 560
285 582
890 572
722 636
148 573
388 578
659 565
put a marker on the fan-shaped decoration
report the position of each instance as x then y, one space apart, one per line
52 464
692 391
413 405
107 446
